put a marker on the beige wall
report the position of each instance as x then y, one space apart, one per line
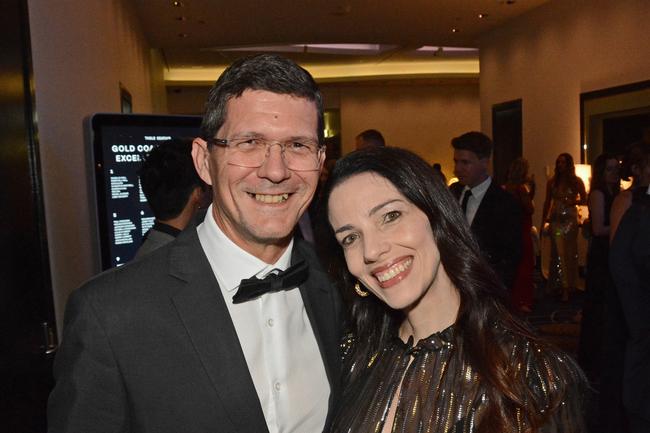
421 118
551 55
82 50
187 100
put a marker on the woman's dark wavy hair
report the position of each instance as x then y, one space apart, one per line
598 174
569 175
373 323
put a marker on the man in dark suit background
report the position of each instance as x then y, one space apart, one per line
173 342
629 261
493 214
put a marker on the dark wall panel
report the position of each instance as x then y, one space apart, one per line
25 290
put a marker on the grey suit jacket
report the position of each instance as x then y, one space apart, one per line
155 239
150 347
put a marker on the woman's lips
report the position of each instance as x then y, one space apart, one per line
393 273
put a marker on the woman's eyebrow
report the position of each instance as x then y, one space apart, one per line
381 205
343 229
370 213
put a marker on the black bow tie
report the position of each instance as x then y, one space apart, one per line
251 288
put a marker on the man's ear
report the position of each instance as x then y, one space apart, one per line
201 158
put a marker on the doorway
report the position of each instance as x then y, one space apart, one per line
507 137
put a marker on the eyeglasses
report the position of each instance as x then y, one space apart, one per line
299 155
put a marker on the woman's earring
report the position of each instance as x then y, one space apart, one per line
360 292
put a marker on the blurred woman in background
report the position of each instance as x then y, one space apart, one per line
605 185
523 189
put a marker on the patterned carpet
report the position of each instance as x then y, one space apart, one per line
558 321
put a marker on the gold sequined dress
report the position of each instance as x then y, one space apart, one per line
440 393
563 272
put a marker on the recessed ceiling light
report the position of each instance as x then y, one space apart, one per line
482 15
352 49
177 4
432 49
454 30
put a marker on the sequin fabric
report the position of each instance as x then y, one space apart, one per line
563 270
440 393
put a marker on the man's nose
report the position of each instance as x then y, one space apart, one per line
274 166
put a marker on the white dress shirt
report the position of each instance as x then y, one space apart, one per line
474 201
275 335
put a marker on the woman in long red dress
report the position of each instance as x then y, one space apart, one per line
523 189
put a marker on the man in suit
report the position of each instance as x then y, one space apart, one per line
176 341
492 213
629 260
173 189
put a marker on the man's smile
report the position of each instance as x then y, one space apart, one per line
270 198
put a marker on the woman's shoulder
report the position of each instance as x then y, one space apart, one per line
551 370
622 202
540 356
556 385
578 182
624 196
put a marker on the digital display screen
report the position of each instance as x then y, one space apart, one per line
120 143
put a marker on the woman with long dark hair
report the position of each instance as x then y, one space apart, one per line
564 191
602 329
432 347
604 186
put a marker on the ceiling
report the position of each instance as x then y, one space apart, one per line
194 36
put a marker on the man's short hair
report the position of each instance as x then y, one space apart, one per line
474 141
267 72
372 137
168 178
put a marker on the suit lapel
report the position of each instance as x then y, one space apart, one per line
205 315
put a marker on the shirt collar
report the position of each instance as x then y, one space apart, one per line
479 190
229 261
166 228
